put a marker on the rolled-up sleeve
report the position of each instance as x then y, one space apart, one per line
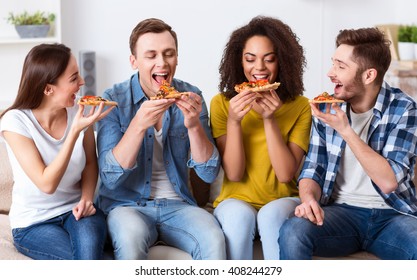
208 170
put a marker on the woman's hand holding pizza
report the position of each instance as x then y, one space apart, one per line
83 120
241 104
270 102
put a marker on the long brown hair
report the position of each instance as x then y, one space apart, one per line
289 52
43 65
371 49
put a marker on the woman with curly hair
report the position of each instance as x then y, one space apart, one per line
262 137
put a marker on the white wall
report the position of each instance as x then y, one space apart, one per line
203 28
13 50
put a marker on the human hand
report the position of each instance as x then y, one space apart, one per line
191 107
83 209
338 121
269 102
83 120
151 111
241 104
311 211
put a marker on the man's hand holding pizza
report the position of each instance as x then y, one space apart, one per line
337 120
191 107
151 111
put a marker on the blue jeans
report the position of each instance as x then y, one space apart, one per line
134 230
348 229
63 238
241 223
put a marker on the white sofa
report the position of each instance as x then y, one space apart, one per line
157 252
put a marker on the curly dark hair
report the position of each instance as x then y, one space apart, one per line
289 52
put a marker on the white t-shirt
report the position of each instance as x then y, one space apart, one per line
353 186
161 187
29 204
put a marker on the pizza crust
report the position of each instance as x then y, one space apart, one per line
325 97
170 96
327 101
239 88
96 101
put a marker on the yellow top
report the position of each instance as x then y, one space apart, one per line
259 184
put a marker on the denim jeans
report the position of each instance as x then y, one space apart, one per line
63 238
241 223
134 230
348 229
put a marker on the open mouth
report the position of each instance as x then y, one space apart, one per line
337 86
260 77
160 77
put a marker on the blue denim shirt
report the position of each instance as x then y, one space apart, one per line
392 134
124 187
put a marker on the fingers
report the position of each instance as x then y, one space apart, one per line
241 104
190 105
151 111
269 101
310 211
83 209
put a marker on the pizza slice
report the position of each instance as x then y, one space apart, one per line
325 98
166 91
256 86
95 101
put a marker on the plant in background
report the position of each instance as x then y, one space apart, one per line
25 18
413 34
405 43
404 33
32 25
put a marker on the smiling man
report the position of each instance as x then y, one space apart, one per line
146 148
356 184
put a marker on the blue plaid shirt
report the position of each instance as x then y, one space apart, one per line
392 134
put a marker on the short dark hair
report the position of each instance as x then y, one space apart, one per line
43 65
371 49
289 52
150 25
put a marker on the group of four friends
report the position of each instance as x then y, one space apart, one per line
354 191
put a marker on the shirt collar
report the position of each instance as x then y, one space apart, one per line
383 99
138 93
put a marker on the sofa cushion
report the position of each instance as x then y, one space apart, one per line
6 180
7 249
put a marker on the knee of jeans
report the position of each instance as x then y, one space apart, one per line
288 231
280 209
237 215
215 246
